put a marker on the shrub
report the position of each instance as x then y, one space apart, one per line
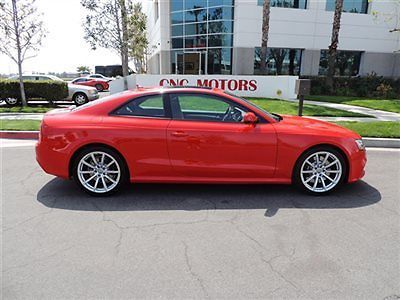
48 90
370 86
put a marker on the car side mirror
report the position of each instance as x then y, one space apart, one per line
250 118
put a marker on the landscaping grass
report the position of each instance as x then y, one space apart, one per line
291 108
28 109
374 129
392 105
19 125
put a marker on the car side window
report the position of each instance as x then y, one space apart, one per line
200 107
149 106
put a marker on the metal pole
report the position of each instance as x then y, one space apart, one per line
301 103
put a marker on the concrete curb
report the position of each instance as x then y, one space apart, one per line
382 142
20 135
369 142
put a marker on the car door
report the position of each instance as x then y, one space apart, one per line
138 128
202 142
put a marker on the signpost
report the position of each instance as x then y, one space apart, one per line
303 87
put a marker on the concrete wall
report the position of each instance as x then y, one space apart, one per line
383 64
282 87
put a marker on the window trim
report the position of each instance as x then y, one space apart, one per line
261 118
166 107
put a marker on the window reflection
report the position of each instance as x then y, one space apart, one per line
280 61
204 30
286 3
351 6
347 63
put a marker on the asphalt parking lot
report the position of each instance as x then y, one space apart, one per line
199 241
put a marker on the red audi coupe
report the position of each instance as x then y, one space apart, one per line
99 84
194 135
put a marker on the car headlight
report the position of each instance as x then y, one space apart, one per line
93 92
360 144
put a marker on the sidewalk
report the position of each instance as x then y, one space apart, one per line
376 115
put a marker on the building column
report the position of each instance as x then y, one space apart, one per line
243 61
310 62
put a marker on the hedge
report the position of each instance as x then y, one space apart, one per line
370 86
48 90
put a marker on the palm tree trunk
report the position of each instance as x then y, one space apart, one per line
264 38
334 43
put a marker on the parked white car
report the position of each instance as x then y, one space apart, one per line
77 93
100 76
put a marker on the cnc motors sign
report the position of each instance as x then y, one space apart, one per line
231 85
282 87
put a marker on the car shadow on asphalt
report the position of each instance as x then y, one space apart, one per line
64 194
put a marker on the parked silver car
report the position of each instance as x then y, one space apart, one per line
76 93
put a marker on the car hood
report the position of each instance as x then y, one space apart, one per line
314 126
76 87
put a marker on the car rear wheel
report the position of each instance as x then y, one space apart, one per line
320 170
80 99
99 87
99 171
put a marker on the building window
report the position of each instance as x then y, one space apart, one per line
286 3
347 63
350 6
280 61
202 35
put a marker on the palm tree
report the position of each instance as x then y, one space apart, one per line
334 42
264 38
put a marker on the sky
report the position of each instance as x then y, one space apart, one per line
64 48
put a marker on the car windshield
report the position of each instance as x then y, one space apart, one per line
276 117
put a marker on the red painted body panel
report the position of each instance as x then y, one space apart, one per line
165 150
94 82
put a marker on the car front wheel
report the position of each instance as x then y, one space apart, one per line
99 171
320 171
11 101
80 99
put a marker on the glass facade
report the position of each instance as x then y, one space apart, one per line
286 3
280 61
201 36
347 63
351 6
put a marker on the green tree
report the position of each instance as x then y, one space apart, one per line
21 33
138 42
106 25
83 69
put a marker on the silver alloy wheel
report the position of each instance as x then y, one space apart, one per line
321 171
11 101
80 99
99 172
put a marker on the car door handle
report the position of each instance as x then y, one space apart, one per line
180 134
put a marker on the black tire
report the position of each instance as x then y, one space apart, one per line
122 180
80 99
298 177
11 101
99 87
